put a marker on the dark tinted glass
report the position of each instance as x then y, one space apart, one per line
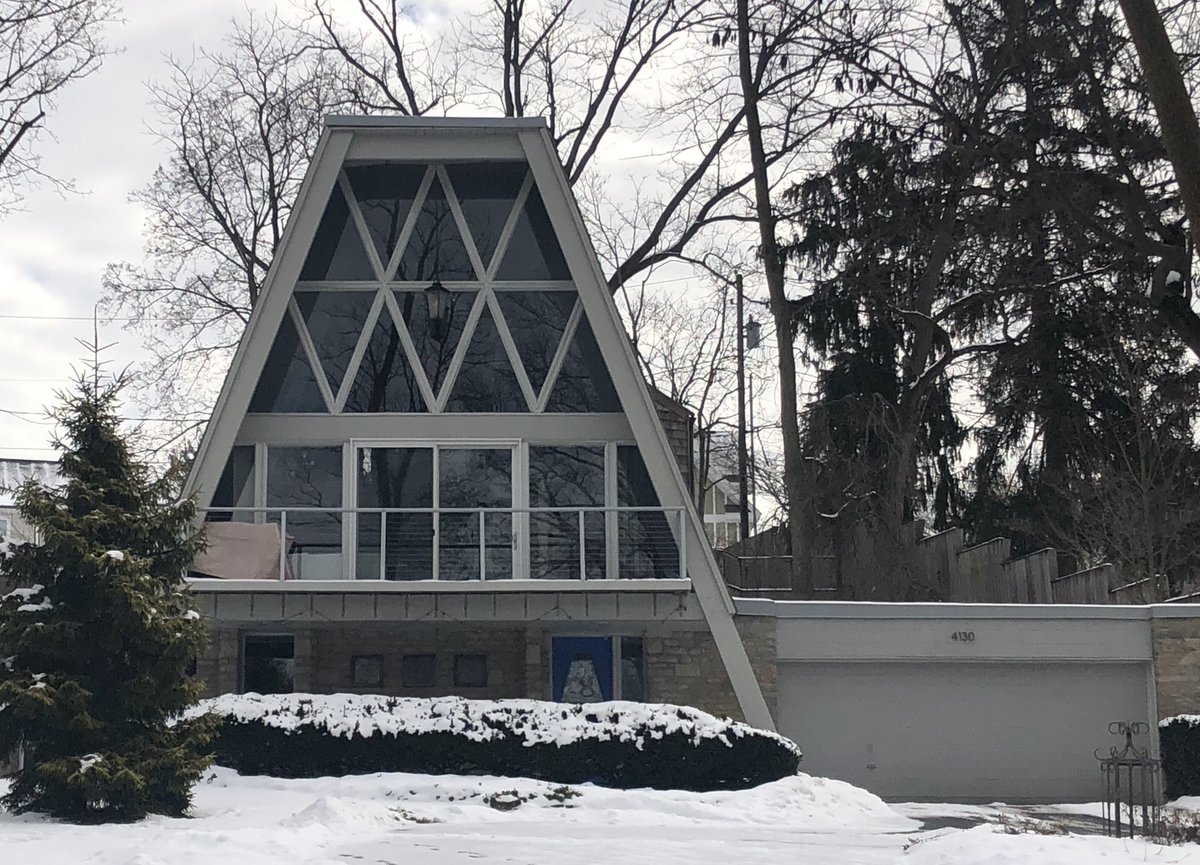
418 671
583 383
435 250
337 251
536 320
486 382
334 320
487 192
384 381
435 347
385 194
287 383
533 253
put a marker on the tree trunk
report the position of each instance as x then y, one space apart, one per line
799 509
1176 114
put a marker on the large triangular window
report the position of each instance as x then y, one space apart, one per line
287 382
385 380
486 192
337 251
435 347
537 321
486 382
583 384
335 319
385 195
533 252
435 249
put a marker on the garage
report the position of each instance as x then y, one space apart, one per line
949 702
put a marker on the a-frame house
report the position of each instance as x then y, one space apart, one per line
434 466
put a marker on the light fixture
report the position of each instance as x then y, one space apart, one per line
438 299
753 333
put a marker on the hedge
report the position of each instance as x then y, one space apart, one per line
618 744
1179 746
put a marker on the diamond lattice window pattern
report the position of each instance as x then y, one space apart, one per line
510 334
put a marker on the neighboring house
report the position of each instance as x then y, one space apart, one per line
434 467
722 499
13 473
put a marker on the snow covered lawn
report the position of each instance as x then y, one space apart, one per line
414 819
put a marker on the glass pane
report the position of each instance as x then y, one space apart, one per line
395 478
435 250
385 195
385 382
287 383
300 477
536 320
646 547
633 670
335 320
337 251
486 382
562 477
583 383
474 478
235 489
268 665
435 349
533 253
486 191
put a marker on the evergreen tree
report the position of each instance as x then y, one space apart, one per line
94 648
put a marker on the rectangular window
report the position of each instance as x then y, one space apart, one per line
235 489
366 671
470 671
268 664
3 527
304 486
646 547
593 669
418 671
563 477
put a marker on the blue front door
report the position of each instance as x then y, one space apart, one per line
582 669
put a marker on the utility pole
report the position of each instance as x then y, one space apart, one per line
743 480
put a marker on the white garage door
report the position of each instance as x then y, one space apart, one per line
967 731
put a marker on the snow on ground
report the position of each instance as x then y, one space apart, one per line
395 819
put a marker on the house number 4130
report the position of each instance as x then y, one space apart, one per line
963 636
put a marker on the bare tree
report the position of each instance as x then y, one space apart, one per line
44 46
240 126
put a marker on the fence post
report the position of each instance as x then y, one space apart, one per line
282 545
682 543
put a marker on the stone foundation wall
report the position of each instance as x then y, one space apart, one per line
682 664
1177 665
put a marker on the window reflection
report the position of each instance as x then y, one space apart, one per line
583 383
566 476
435 250
486 382
385 195
537 321
487 192
435 354
337 251
287 382
334 320
385 381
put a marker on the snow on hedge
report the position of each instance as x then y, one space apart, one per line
533 721
1190 720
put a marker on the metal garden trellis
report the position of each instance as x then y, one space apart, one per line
1132 783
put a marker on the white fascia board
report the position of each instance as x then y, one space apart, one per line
438 587
709 586
939 610
255 344
408 123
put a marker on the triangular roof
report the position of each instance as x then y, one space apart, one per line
361 140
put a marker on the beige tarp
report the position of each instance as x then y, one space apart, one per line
240 551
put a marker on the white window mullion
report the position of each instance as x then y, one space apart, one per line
260 481
460 352
349 517
310 351
461 220
409 222
360 349
414 361
510 225
560 355
510 348
437 498
360 223
612 562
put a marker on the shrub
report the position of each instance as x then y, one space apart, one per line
1179 744
617 744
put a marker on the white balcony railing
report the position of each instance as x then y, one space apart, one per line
304 543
